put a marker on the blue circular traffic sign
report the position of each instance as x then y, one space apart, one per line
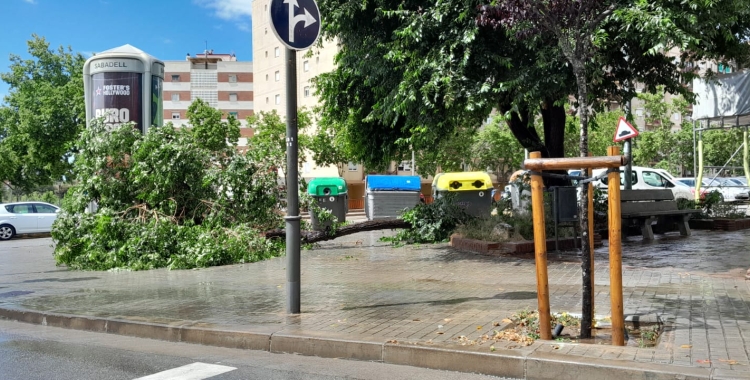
296 23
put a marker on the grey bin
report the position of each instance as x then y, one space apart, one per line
471 190
383 204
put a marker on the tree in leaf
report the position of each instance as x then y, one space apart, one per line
41 116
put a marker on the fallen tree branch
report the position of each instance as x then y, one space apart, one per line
316 236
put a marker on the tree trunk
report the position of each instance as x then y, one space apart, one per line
587 310
553 118
316 236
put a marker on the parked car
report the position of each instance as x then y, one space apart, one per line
25 218
740 181
729 190
644 178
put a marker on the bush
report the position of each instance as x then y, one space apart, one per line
167 199
431 223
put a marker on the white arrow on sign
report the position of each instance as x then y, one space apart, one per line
294 20
624 130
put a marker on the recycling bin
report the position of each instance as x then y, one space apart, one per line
330 193
386 196
472 191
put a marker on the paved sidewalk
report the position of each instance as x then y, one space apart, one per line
364 299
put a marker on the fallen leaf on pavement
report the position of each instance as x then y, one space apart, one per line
479 327
440 333
392 341
506 320
492 348
732 362
686 346
703 361
495 324
447 319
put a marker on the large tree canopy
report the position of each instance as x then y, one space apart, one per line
409 73
41 116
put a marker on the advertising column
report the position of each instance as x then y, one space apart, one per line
124 85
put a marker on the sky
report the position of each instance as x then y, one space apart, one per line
166 29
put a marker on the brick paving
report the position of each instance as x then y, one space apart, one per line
360 287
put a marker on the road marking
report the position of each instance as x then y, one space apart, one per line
195 371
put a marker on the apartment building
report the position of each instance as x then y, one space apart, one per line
269 56
219 79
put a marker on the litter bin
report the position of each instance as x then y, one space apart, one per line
386 196
473 191
330 193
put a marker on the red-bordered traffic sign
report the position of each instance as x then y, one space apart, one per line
624 130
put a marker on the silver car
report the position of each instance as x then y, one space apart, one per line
26 218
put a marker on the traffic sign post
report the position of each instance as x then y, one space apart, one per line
624 132
296 24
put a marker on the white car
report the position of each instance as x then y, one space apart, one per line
26 218
648 178
729 190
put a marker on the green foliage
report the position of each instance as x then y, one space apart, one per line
495 148
41 115
602 126
329 147
209 131
166 199
431 223
269 138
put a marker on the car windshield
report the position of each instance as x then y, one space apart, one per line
741 180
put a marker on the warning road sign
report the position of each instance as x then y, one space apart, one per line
624 130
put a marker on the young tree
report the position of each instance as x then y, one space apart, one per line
41 116
268 143
496 148
330 148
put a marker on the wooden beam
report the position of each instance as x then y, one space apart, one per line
540 250
574 163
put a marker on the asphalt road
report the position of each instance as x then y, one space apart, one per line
38 352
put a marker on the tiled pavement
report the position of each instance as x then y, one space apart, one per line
357 287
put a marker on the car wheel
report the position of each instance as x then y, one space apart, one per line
6 232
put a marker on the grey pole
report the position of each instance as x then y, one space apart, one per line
292 188
628 151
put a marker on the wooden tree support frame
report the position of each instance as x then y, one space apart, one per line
538 164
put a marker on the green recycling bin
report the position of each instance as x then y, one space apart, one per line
330 193
473 191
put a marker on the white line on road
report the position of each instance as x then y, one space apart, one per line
195 371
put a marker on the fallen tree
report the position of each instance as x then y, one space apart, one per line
309 237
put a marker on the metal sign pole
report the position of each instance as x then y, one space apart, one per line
292 188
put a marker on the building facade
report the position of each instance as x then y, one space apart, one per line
219 79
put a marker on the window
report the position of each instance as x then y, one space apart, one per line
266 77
654 179
232 78
353 167
266 53
639 112
317 59
277 99
307 91
404 166
306 65
175 97
266 100
175 78
44 209
266 31
277 76
176 115
232 97
276 52
233 114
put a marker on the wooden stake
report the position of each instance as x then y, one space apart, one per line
540 249
615 254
